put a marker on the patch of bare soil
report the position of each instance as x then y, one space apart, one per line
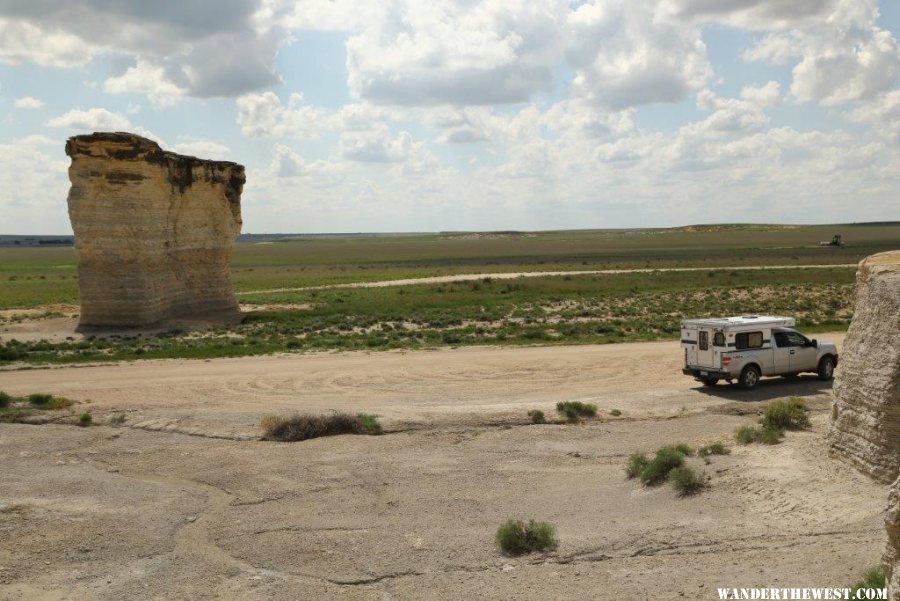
159 508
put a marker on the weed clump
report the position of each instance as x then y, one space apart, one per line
5 399
575 410
636 465
118 419
537 416
304 427
872 578
515 537
716 448
657 469
85 419
786 415
615 413
40 398
686 481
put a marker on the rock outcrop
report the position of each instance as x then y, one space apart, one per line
865 418
892 554
154 232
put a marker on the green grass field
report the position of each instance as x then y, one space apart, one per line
572 309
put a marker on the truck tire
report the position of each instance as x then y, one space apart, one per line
709 381
749 377
826 368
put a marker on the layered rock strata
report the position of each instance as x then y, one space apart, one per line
865 419
154 231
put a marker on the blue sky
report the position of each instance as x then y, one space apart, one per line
396 115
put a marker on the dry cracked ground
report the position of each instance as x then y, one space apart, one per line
183 501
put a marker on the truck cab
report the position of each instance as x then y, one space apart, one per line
747 347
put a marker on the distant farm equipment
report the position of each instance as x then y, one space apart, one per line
835 241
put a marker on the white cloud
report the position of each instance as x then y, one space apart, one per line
149 79
94 119
376 145
263 115
29 102
765 96
775 49
23 42
456 52
204 149
624 56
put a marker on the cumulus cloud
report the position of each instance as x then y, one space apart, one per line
766 95
94 119
205 149
202 48
28 102
624 56
263 115
376 145
456 52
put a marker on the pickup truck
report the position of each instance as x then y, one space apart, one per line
747 347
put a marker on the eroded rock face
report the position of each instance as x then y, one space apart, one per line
153 232
865 419
892 554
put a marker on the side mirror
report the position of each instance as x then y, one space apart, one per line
815 343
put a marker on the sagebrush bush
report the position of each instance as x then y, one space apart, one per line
790 414
684 449
658 468
615 413
40 398
716 448
537 416
636 464
85 419
574 410
516 537
118 418
769 435
745 434
5 399
686 481
304 427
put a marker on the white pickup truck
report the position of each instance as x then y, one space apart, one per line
748 347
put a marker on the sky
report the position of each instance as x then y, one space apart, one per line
435 115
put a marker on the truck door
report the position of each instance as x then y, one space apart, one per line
704 348
803 354
781 351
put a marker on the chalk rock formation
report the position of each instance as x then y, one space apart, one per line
865 418
892 554
153 232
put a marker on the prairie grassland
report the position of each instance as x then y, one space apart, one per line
34 277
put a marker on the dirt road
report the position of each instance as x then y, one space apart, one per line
468 277
143 511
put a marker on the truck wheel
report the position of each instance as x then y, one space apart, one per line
710 381
826 368
749 377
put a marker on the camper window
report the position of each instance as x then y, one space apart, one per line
719 339
703 341
746 340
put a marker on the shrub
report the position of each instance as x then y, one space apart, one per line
657 470
615 413
40 399
85 419
636 464
683 449
745 434
515 537
304 427
872 578
5 399
573 410
369 423
716 448
769 435
786 415
118 418
686 481
537 416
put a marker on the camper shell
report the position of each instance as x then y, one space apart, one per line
746 347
